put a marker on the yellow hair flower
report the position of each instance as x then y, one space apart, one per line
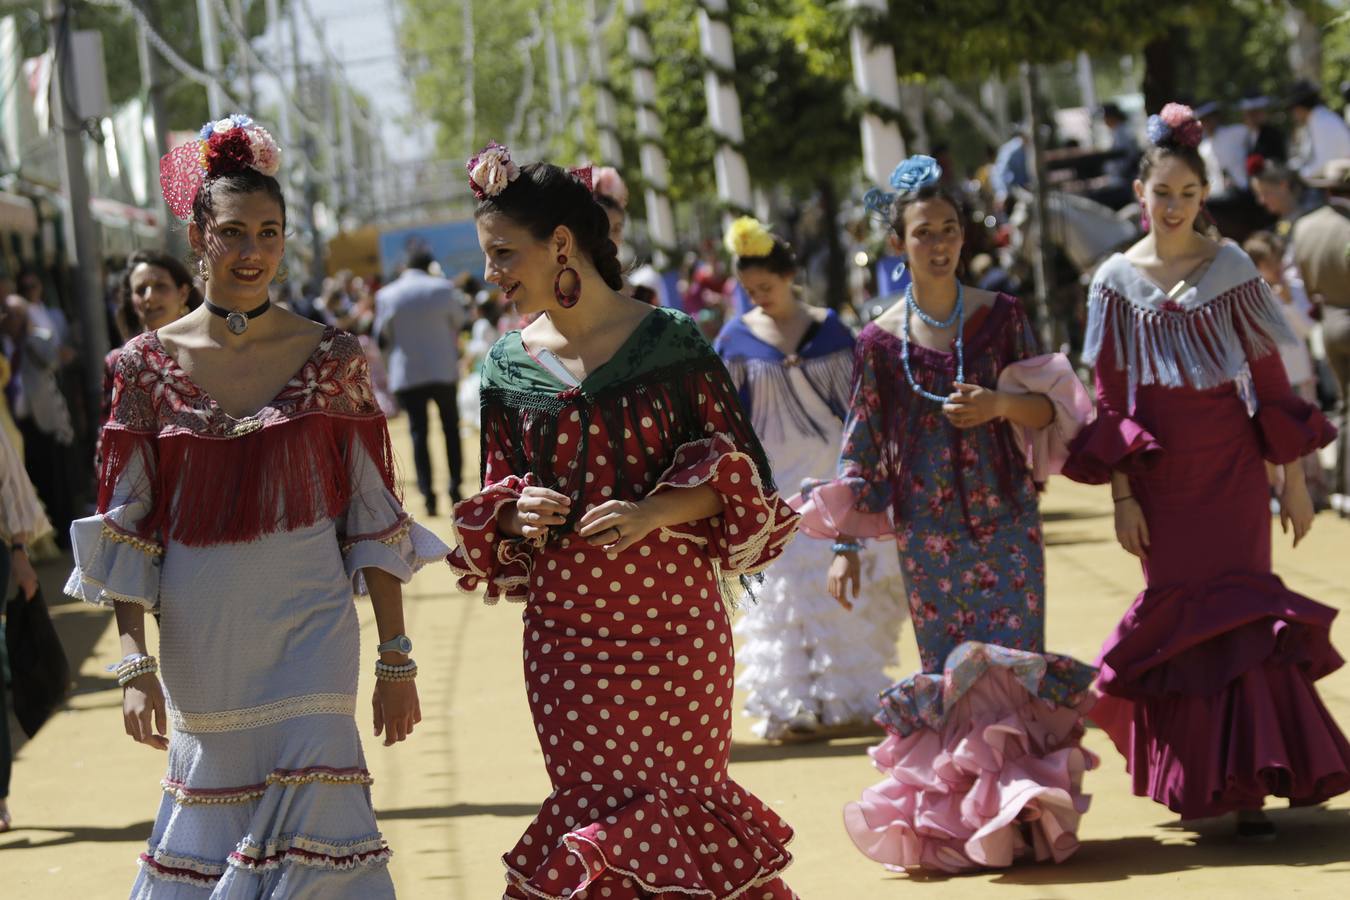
747 236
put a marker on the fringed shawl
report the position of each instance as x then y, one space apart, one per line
769 395
1201 339
215 479
666 370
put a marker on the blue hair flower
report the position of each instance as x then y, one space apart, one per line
916 172
878 201
1158 130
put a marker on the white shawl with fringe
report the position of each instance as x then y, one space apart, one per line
1199 338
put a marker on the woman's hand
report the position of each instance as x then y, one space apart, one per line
617 525
1296 508
397 709
142 706
24 575
1131 529
845 575
970 405
537 510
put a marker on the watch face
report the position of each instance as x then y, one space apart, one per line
400 644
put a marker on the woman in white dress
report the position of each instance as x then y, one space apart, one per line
810 667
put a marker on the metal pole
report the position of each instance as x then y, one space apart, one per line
470 106
211 62
348 146
175 239
311 195
79 224
241 55
275 26
1031 102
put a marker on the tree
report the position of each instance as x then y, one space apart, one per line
177 24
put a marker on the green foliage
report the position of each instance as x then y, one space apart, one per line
176 21
975 38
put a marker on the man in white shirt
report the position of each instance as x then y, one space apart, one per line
1325 136
418 317
1224 150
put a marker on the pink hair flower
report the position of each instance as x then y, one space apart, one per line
491 170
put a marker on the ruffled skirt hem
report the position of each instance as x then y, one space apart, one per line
1209 695
717 842
999 780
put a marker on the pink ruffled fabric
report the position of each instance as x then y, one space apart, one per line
1047 449
1287 435
1001 780
828 513
1112 442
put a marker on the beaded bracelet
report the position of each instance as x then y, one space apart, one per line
133 667
847 547
405 672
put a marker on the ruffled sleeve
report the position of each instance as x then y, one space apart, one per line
117 556
1051 375
375 531
857 502
755 524
1114 441
483 556
1288 426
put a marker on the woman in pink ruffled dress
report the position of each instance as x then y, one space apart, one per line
1208 680
954 420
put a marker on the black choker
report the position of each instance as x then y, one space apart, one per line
237 322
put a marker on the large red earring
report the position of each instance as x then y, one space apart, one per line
566 301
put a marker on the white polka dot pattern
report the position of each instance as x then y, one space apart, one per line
629 668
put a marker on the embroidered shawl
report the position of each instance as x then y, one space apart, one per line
217 479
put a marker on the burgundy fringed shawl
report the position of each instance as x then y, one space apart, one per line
215 479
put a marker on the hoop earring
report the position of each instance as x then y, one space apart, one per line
283 272
566 301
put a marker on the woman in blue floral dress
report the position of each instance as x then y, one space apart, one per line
943 451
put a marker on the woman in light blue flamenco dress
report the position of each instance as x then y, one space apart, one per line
247 494
943 452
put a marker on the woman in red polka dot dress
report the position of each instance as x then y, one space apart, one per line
624 496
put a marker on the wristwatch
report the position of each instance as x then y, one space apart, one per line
399 643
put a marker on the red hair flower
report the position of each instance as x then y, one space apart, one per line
228 152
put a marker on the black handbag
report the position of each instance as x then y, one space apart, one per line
39 670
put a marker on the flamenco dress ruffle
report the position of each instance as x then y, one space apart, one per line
983 762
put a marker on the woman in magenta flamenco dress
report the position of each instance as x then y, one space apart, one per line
942 453
1207 682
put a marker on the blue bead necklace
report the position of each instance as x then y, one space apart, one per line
957 318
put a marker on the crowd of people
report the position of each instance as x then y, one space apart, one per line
646 468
